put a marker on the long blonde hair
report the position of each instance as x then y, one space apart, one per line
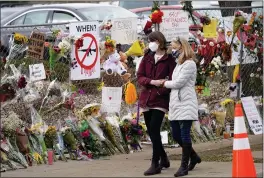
187 52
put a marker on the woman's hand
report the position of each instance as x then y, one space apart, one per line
156 83
162 82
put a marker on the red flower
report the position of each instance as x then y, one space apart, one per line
21 82
156 16
79 43
85 134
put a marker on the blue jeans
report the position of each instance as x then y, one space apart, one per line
181 131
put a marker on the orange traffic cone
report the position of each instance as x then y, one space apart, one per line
243 164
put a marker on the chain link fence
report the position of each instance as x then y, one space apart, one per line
251 73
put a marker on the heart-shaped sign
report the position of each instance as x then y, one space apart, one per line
110 97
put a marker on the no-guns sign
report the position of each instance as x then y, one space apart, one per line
85 62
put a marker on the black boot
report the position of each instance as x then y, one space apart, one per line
186 151
195 159
164 161
154 169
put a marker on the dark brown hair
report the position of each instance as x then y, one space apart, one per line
158 36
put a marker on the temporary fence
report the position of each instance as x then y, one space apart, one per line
251 64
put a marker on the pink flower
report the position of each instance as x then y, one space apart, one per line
85 134
133 121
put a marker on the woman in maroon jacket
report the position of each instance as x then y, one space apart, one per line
154 101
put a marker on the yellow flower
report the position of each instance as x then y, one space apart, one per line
100 87
37 157
226 101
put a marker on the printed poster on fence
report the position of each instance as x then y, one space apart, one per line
36 45
252 115
111 99
37 72
124 30
175 24
85 62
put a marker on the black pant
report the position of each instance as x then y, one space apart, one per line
153 119
181 131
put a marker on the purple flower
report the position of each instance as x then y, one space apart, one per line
81 92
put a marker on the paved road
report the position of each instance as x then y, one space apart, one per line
132 165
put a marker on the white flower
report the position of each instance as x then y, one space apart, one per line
204 39
252 75
220 30
255 50
257 75
217 66
218 72
64 45
219 58
211 43
258 69
202 34
218 45
199 32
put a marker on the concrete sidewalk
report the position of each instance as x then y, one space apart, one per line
133 165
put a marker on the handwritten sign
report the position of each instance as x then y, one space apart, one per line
86 59
37 72
111 99
124 31
210 31
253 117
175 24
36 45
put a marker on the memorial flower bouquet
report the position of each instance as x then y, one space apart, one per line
156 13
11 154
114 128
50 137
36 134
133 132
69 141
91 112
17 46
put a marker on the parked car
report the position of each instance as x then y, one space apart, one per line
7 11
58 13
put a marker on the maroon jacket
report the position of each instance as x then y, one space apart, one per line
152 96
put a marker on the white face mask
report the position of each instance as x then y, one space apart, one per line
153 46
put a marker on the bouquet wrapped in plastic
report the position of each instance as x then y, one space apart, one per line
17 46
59 142
53 90
12 154
113 128
70 142
36 133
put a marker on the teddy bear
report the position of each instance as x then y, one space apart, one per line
113 65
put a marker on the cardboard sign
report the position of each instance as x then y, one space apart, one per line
36 45
37 72
111 99
124 31
210 31
252 115
86 59
175 24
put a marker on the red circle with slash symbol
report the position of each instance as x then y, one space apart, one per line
81 60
